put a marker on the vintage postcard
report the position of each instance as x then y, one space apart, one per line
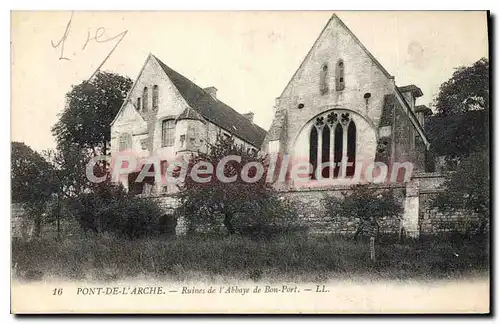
250 162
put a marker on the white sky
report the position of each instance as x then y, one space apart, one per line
248 56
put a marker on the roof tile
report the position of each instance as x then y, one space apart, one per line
215 110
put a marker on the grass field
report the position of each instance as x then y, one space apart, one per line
294 258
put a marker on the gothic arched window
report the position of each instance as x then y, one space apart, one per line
145 99
333 139
338 148
313 150
351 149
138 107
325 151
323 79
339 76
155 97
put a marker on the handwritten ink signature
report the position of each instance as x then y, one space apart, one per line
98 38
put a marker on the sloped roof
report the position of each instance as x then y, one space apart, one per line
356 39
215 110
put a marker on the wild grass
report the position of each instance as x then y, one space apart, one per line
294 258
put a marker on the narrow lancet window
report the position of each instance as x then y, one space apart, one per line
313 150
338 143
323 80
325 151
351 149
339 76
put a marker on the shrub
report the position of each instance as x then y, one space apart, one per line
367 206
271 217
467 189
113 210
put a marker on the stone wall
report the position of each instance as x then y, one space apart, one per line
314 215
23 228
416 195
169 203
430 219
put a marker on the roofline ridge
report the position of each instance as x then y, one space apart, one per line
387 74
127 98
356 39
218 100
307 55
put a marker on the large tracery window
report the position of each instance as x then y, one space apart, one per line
333 139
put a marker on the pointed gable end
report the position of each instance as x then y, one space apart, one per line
334 34
128 99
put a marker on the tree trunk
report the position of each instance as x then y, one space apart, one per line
104 162
37 229
58 224
227 222
372 249
358 232
58 218
482 227
402 234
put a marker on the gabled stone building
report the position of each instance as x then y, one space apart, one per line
167 115
341 103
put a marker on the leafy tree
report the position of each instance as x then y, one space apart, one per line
242 207
33 182
367 206
30 174
457 136
467 189
91 107
466 90
83 130
461 124
70 163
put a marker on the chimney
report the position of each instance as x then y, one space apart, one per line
211 91
249 116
